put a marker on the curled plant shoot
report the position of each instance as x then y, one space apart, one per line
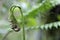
14 22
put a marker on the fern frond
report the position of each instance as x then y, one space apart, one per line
46 26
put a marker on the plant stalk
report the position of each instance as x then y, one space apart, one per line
13 7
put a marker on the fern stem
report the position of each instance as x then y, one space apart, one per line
4 38
23 25
13 7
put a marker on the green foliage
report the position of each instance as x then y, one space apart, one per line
30 20
31 15
43 7
46 26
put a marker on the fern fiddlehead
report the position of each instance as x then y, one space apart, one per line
14 21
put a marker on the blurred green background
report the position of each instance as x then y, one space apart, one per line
35 12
